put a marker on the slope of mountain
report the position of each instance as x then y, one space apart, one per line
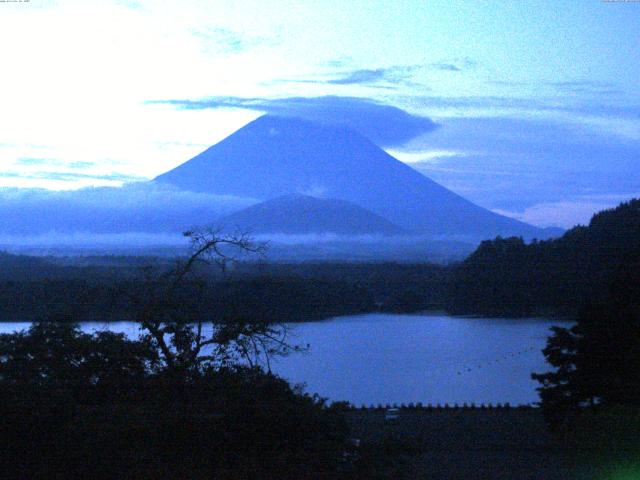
274 156
302 214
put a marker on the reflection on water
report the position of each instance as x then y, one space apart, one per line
388 358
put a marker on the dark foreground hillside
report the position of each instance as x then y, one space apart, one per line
479 444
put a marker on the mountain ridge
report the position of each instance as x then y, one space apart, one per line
275 156
303 214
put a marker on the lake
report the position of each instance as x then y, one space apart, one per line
390 358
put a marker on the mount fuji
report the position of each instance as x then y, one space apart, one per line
274 156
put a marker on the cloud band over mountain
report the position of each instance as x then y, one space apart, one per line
385 125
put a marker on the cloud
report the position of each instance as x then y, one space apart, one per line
222 38
580 83
564 214
131 4
454 65
566 93
28 161
82 164
506 83
138 207
387 77
512 164
595 116
428 157
449 67
383 124
591 87
100 240
485 104
70 176
337 63
393 75
360 77
230 41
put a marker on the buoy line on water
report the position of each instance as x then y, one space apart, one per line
466 368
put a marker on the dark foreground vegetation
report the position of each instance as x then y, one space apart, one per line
481 443
75 405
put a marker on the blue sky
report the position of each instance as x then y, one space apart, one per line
536 105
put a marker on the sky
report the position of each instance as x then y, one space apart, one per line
531 108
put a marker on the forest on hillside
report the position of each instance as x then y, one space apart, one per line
598 263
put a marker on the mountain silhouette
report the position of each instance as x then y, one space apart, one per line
275 156
302 214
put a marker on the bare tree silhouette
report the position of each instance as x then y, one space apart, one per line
173 322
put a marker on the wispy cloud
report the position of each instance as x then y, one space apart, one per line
386 78
565 90
38 162
394 75
29 161
449 67
507 83
579 83
454 65
592 87
132 4
383 124
221 38
361 77
82 164
71 176
230 41
337 63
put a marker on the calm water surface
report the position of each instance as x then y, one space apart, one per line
388 358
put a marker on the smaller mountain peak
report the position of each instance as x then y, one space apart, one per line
303 214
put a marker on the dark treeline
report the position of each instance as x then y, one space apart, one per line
394 287
262 298
599 263
99 288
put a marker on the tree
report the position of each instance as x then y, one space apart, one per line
57 363
597 362
174 324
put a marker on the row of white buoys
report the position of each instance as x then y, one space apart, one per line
470 368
